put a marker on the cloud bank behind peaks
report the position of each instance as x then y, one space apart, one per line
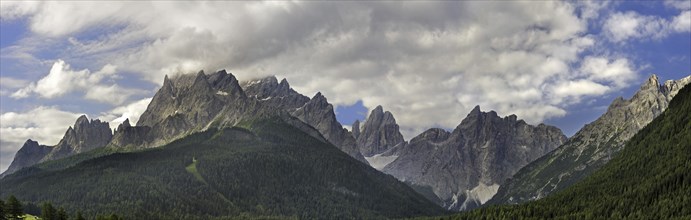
427 62
62 80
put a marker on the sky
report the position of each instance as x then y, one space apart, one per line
429 63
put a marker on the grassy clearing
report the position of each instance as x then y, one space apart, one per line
192 168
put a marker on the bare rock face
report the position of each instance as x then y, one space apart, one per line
592 146
191 103
30 154
84 136
186 104
379 134
356 129
269 91
465 167
318 113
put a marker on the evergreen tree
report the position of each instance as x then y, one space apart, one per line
62 215
48 211
79 216
2 210
14 208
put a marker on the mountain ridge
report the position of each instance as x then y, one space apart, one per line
465 166
592 146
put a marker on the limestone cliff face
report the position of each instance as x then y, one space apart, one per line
30 154
191 103
592 146
379 133
318 113
464 167
85 135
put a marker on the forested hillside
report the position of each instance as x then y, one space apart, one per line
265 168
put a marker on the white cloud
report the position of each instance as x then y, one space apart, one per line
9 83
428 63
580 88
43 124
682 23
130 111
620 27
619 72
10 10
62 80
679 4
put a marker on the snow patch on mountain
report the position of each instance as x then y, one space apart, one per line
480 194
221 93
379 162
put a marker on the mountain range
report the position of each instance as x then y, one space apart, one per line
214 129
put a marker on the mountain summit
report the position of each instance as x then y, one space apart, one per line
191 103
463 168
592 146
84 135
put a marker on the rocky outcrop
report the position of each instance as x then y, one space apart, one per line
379 133
270 92
318 113
592 146
84 136
356 129
191 103
30 154
464 167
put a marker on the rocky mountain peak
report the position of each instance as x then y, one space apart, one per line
29 154
379 133
464 168
356 128
86 135
475 111
82 120
269 91
434 135
284 84
318 113
125 124
652 82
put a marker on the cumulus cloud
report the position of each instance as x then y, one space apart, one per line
622 26
679 4
428 63
9 83
62 79
45 124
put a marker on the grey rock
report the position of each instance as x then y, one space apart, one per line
30 154
270 92
318 113
84 136
187 104
191 103
379 133
592 146
465 167
356 129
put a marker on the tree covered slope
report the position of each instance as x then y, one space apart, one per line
266 168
